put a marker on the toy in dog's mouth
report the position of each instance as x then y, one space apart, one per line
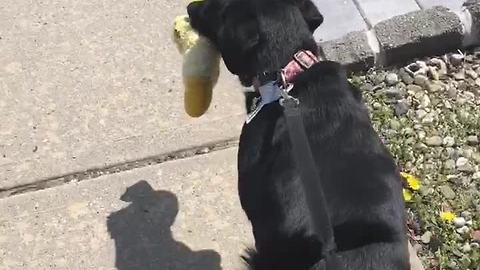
200 67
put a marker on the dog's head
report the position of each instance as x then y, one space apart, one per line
256 35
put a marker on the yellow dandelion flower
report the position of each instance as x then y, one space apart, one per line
412 181
447 215
407 195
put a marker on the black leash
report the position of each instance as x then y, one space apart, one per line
309 174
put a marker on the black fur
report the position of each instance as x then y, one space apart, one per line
358 175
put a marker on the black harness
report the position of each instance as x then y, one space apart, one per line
311 185
313 189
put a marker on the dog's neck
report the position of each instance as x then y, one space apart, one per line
301 61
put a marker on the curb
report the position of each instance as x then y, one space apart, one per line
399 39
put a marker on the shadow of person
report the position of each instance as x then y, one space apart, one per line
142 235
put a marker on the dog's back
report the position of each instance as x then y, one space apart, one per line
358 175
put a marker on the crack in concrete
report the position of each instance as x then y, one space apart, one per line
117 168
363 14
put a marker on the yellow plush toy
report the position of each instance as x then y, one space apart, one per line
201 66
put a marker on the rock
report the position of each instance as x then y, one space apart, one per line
460 75
420 114
423 67
425 102
459 222
433 73
466 214
471 73
451 177
419 67
394 92
377 78
472 140
464 116
377 105
462 86
476 157
452 264
447 192
467 168
463 230
421 135
469 95
410 141
426 237
465 152
392 79
461 162
436 102
450 165
466 248
429 118
366 87
435 86
420 80
447 104
426 190
408 131
390 132
434 141
461 101
419 95
401 108
449 141
405 76
451 153
440 65
456 59
395 125
421 146
476 236
476 176
452 92
414 88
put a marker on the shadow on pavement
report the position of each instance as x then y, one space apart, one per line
143 238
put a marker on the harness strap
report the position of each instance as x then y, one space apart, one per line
314 194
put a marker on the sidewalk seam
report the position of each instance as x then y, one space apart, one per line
419 4
363 14
93 173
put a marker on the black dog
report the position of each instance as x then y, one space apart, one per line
357 174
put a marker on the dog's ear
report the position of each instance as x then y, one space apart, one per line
310 13
204 17
238 43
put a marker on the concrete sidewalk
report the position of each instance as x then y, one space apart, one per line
90 84
178 215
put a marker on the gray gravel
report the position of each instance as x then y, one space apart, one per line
429 117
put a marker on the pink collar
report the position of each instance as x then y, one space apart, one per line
302 60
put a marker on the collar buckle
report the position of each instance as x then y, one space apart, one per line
305 58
